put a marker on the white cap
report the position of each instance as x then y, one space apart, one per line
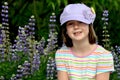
79 12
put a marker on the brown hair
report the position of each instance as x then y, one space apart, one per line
67 40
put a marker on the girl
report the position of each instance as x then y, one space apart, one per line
81 58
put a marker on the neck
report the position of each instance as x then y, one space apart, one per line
82 46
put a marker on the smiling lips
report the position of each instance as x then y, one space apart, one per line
77 33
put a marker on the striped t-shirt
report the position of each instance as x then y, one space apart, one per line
84 68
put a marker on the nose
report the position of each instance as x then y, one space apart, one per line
76 26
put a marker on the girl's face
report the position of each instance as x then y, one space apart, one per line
77 30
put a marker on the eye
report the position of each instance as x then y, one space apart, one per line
69 23
80 23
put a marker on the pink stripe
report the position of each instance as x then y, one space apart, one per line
81 75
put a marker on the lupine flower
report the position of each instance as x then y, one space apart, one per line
13 54
19 74
40 46
4 37
26 68
35 62
51 69
20 40
106 40
22 71
116 56
51 46
52 40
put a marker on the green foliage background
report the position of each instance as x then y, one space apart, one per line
21 10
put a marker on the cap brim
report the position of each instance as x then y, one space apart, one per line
77 18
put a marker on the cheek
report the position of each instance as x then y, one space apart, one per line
86 29
68 31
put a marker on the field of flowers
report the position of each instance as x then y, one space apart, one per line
29 59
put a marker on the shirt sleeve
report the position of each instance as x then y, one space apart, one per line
105 63
60 62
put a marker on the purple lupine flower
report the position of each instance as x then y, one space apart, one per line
34 57
31 24
4 30
21 40
19 74
52 40
116 57
35 63
13 54
40 46
22 71
106 36
26 68
51 69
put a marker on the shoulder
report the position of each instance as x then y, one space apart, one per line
102 53
63 52
102 50
63 49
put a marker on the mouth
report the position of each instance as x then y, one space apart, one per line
77 33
